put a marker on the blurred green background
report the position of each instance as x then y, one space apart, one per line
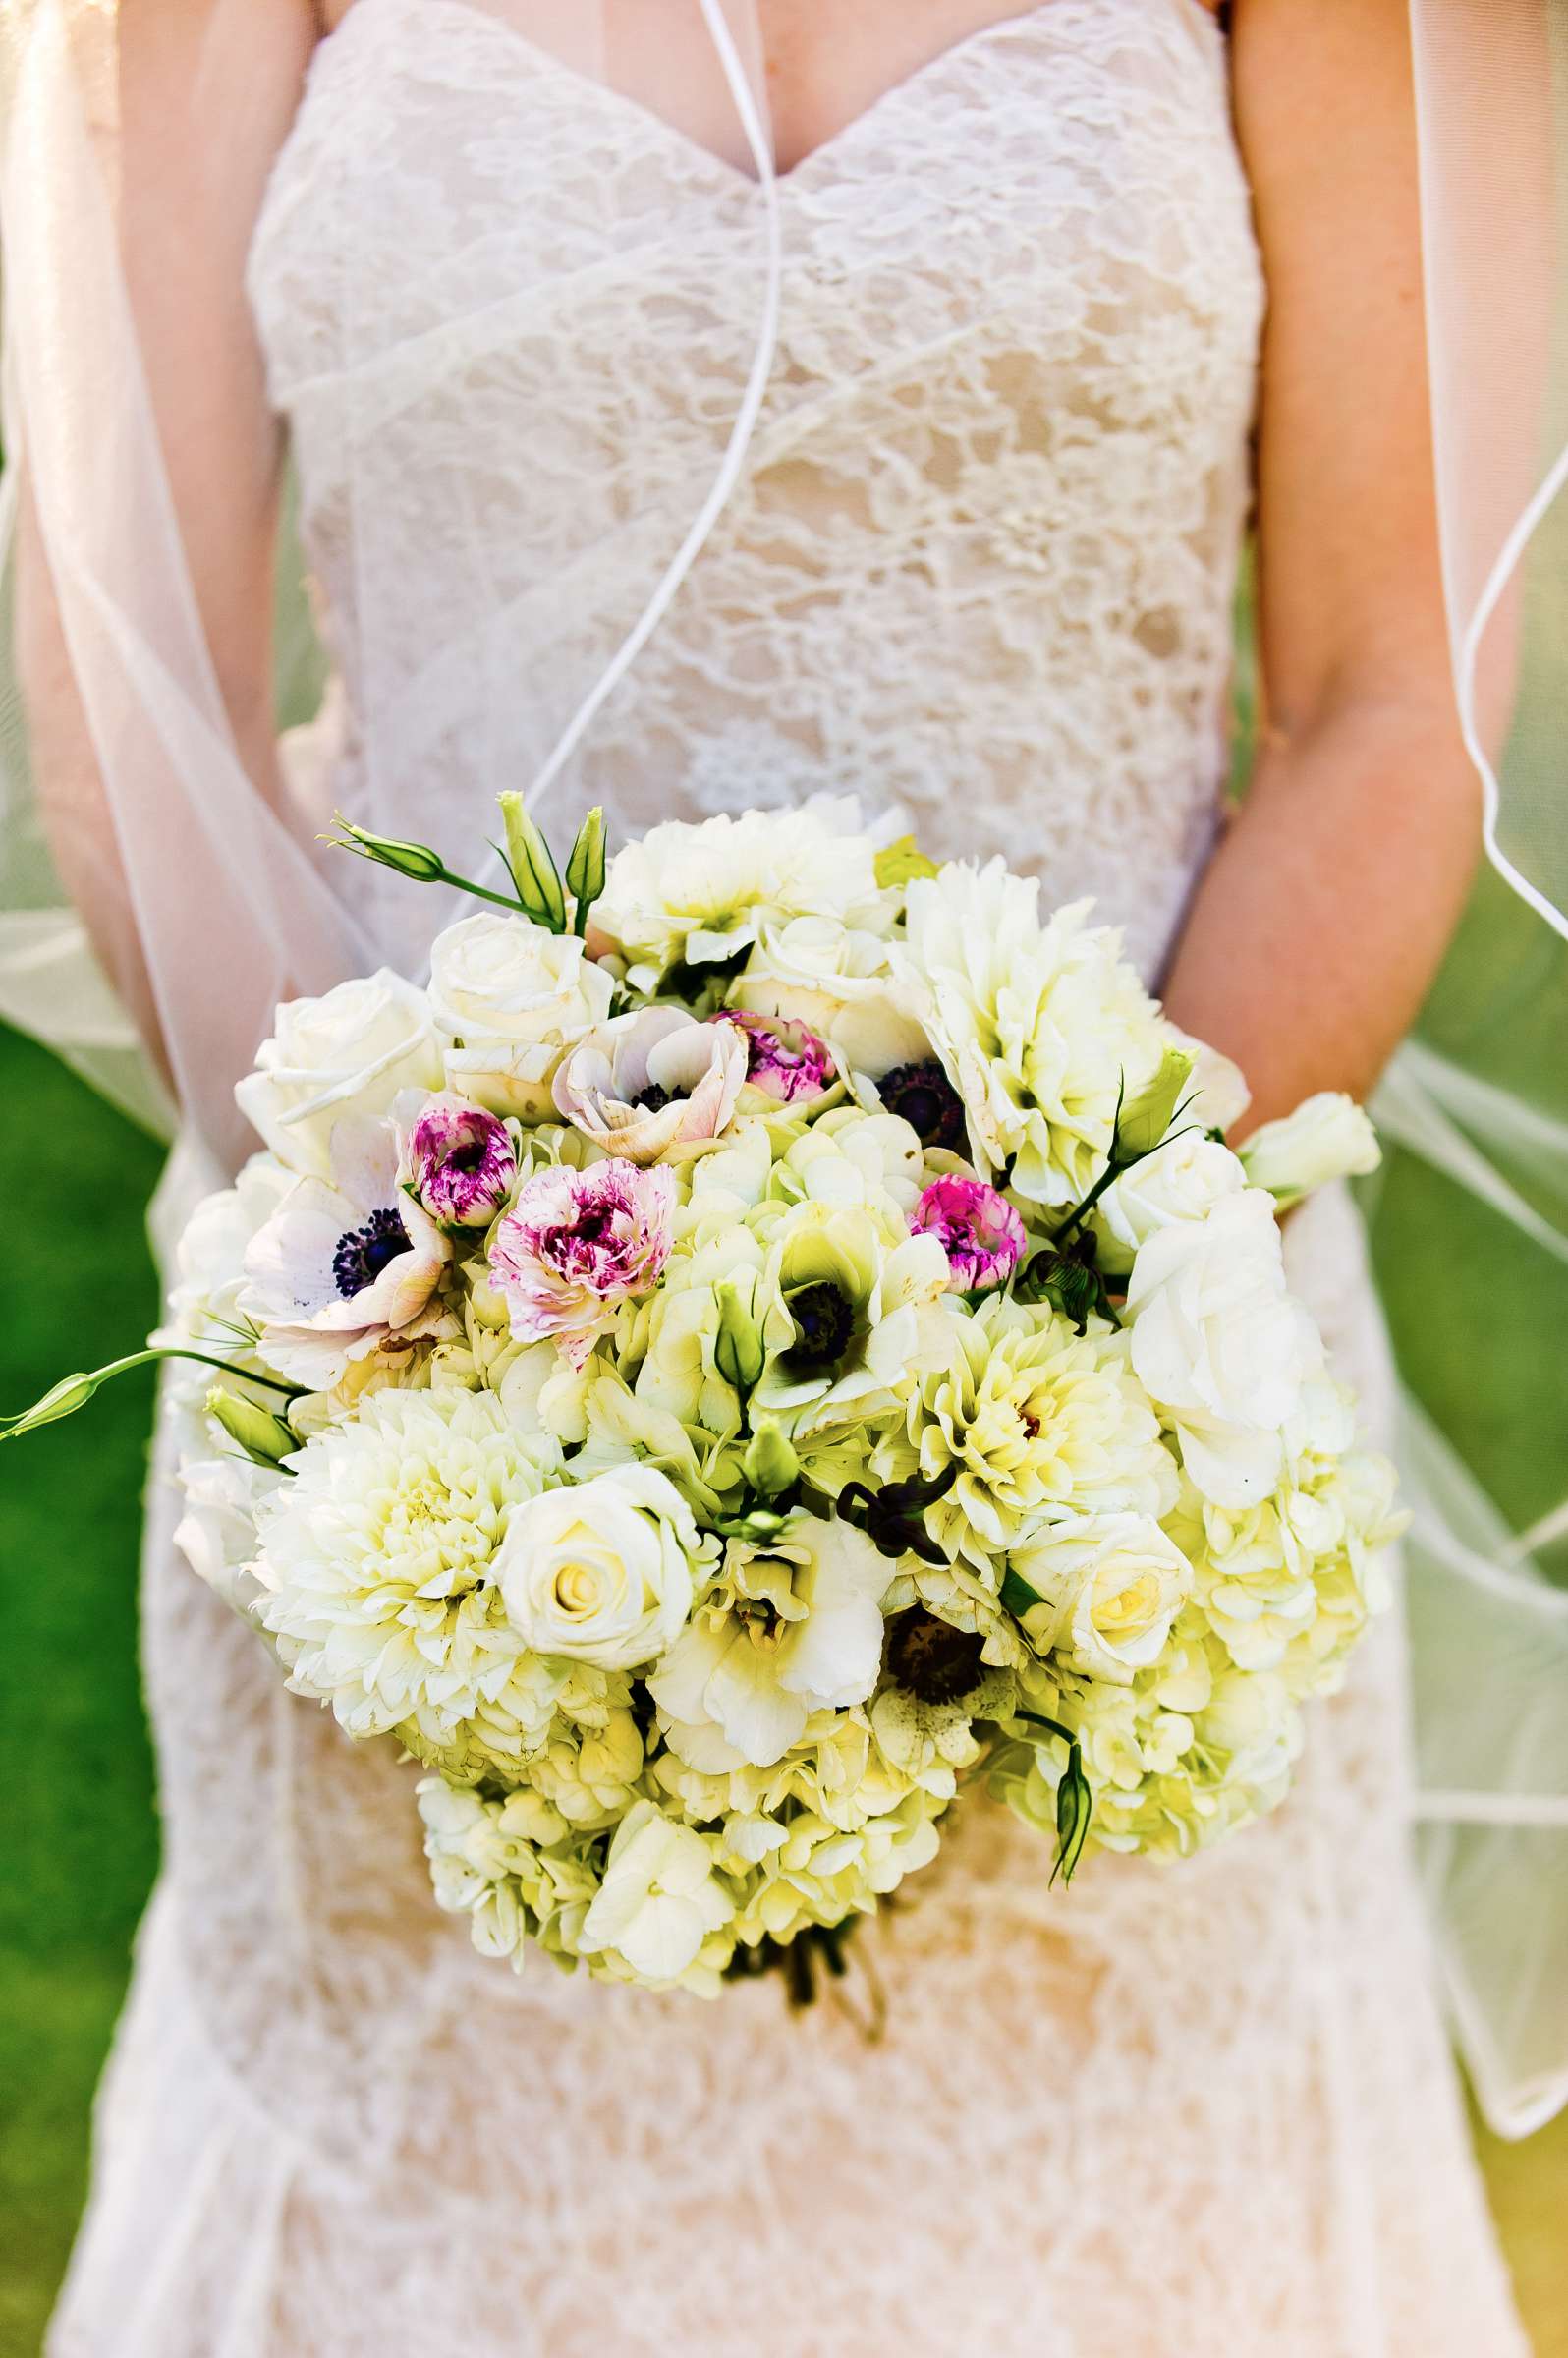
1478 1323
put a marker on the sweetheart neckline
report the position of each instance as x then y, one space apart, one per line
826 152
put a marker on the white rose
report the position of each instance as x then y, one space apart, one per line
1328 1137
1221 1344
602 1570
350 1052
1109 1587
216 1534
510 999
204 1302
820 971
1182 1180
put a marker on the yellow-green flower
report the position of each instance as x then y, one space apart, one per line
1041 1421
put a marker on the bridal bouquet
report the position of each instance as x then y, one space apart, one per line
770 1336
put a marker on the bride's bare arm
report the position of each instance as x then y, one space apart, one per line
1318 925
187 200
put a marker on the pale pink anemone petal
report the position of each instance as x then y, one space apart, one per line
649 1081
578 1244
979 1230
460 1162
784 1060
343 1268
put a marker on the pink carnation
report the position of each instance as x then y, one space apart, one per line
461 1163
977 1229
576 1245
784 1060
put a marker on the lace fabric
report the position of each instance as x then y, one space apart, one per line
981 561
989 525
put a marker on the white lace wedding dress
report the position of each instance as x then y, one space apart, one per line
981 561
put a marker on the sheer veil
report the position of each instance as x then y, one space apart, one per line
120 762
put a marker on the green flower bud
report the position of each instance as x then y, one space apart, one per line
738 1352
1144 1119
534 870
265 1439
414 860
585 870
770 1464
62 1399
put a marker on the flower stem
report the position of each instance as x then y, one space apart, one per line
71 1392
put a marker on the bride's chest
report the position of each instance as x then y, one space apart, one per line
1058 194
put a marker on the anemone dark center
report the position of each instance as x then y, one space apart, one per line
824 1321
363 1253
652 1099
930 1657
923 1095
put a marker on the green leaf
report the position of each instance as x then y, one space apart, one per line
1018 1597
534 870
903 862
584 869
1069 1282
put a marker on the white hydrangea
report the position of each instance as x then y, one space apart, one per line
660 1899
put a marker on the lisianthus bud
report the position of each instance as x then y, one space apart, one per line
1146 1117
1328 1137
783 1059
738 1352
416 861
770 1464
534 870
62 1399
461 1163
977 1229
265 1439
585 867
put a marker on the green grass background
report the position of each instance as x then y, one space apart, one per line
1479 1329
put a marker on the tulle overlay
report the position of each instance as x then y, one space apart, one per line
982 559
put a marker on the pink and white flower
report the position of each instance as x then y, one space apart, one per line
460 1163
578 1244
977 1229
783 1059
347 1265
655 1079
